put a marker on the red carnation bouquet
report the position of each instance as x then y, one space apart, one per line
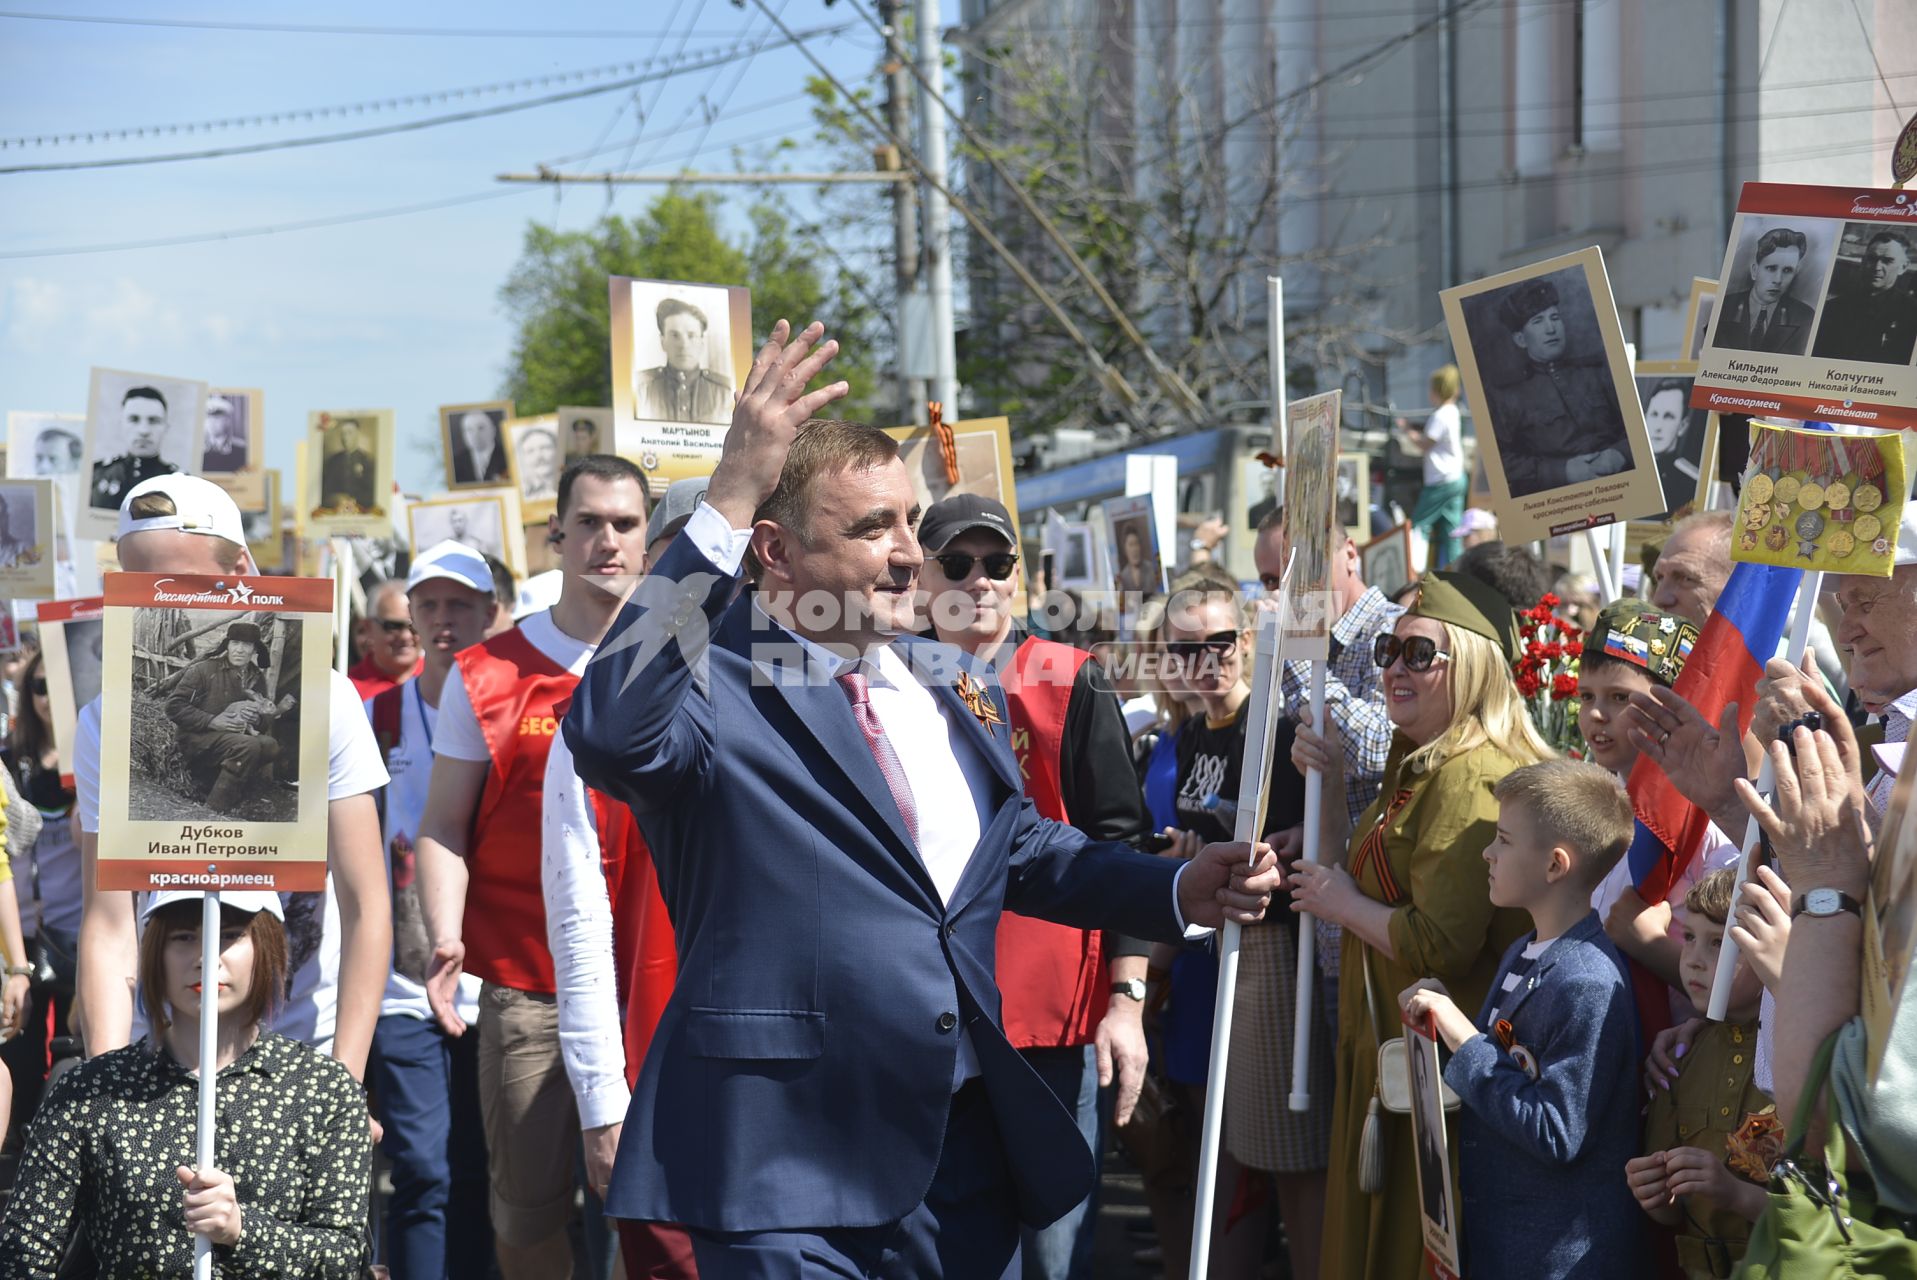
1547 673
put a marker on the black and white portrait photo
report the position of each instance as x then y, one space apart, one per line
1697 315
480 521
1777 274
1386 560
681 353
216 710
536 462
1549 390
1427 1110
1870 313
1677 431
475 438
349 466
83 637
585 432
20 542
54 450
229 423
138 426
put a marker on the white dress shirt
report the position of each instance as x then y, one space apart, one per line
592 1040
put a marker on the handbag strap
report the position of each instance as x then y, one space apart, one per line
1371 999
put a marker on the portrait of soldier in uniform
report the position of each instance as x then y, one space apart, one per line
1557 422
226 719
349 477
143 427
225 447
1872 315
1764 316
684 388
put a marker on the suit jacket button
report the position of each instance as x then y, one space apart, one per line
945 930
947 1020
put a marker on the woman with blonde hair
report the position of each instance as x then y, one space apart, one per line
1411 892
1440 507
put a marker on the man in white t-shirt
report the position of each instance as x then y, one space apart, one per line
425 1082
479 858
339 941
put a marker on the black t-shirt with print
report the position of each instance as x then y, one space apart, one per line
1210 760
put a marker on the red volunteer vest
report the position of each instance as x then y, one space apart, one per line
1053 978
514 689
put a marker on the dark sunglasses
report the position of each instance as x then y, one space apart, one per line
1221 643
39 687
957 566
393 626
1418 652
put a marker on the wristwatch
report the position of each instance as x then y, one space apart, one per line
1132 988
1825 902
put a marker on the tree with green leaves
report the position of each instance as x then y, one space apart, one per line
560 304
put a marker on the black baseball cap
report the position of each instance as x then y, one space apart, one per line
961 513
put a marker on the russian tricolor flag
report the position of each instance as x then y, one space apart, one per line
1738 639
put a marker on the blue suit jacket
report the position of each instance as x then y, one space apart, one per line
1541 1161
802 1072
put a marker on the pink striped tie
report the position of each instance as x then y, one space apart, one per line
855 685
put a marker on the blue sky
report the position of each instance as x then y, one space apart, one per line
397 312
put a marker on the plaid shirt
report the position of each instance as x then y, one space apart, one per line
1354 702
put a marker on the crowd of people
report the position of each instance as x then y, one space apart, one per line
792 897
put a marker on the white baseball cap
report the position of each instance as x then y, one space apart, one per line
199 506
455 562
541 591
250 901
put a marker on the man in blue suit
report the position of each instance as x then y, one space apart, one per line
837 820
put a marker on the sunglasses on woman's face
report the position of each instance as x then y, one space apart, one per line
38 686
1222 644
1418 652
957 566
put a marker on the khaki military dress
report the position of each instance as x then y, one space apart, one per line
1419 848
1714 1096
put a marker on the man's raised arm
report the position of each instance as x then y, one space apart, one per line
631 729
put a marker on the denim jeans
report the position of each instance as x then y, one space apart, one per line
426 1096
1064 1249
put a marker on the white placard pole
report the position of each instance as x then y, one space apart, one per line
1253 793
209 1060
1275 331
342 603
1766 780
1601 566
1300 1099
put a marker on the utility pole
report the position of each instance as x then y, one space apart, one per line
938 216
905 206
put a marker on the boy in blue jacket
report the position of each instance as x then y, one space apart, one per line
1546 1074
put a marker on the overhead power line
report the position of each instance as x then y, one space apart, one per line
429 122
292 115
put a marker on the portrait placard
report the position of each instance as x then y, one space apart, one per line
27 545
52 445
474 436
1678 432
1437 1192
1816 317
679 351
1138 562
983 447
536 464
213 724
1311 524
1354 496
1559 431
1386 560
486 520
348 473
1697 314
1821 500
585 432
233 451
70 640
139 425
262 524
1074 566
